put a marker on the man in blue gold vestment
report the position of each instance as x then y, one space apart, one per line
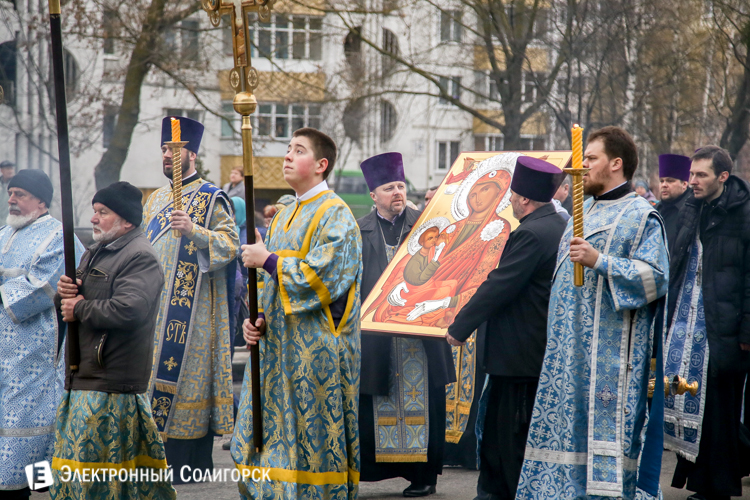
31 365
586 438
191 380
310 353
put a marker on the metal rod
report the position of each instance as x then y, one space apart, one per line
66 192
578 224
252 289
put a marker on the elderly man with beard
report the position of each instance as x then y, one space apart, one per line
383 230
104 421
31 367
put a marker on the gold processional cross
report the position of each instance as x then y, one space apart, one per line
243 78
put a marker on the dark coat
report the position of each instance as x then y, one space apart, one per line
376 349
670 212
515 297
122 284
726 272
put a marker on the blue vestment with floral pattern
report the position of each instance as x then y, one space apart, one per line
309 365
203 395
589 420
32 369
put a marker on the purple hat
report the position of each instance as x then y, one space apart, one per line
535 179
382 169
190 131
675 166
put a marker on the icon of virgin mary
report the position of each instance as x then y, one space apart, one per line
446 262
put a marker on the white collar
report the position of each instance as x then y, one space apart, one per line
323 186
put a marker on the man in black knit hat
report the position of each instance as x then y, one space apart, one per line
115 302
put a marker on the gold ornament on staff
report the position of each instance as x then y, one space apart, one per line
576 172
243 78
176 146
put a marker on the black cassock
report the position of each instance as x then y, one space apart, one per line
670 212
513 301
376 365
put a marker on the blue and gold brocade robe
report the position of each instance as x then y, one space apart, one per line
32 369
204 394
309 367
585 437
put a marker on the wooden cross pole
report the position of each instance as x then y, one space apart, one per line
243 78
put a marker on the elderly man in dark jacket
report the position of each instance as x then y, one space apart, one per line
383 230
514 302
105 417
709 336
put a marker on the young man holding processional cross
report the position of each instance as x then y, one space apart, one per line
310 349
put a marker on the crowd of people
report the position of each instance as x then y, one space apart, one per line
122 378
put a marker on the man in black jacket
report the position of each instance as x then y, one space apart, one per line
674 173
514 302
383 230
105 416
710 274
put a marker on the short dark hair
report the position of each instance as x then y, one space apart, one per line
323 146
721 161
433 188
618 144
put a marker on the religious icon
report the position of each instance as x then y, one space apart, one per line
454 245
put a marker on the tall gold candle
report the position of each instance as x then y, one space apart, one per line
577 173
176 169
175 130
577 135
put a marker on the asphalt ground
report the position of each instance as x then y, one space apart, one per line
455 483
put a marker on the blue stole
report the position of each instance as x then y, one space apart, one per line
402 425
687 356
174 339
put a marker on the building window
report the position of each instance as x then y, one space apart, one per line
279 121
388 121
533 143
108 21
170 41
447 154
193 114
189 38
529 87
70 70
488 142
287 37
8 72
108 125
452 86
229 120
450 26
486 87
390 47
